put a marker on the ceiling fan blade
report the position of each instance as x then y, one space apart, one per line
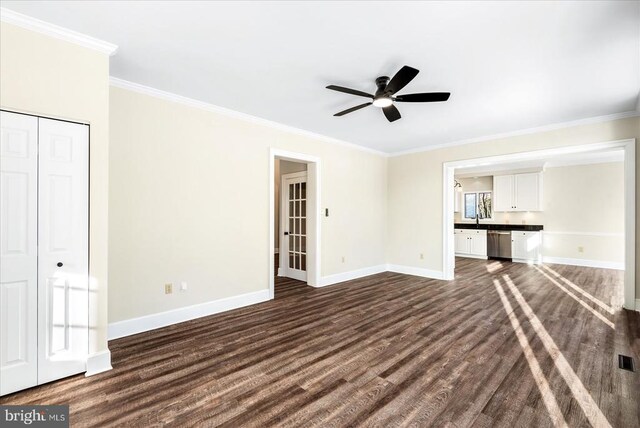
427 97
349 91
349 110
401 79
391 112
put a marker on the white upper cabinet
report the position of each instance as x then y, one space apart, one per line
528 192
503 193
518 192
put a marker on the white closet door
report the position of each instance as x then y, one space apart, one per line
18 251
63 283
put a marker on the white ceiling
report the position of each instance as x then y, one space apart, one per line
509 65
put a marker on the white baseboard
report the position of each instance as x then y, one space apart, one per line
353 274
472 256
528 261
583 262
98 363
410 270
638 305
163 319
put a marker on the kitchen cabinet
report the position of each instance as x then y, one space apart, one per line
517 192
470 243
526 247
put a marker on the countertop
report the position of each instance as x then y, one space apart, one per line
496 226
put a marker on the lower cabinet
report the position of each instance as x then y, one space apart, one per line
471 243
526 247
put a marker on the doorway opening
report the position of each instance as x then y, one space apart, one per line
294 224
498 179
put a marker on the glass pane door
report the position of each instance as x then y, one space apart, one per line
297 231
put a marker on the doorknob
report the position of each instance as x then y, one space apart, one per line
286 233
59 264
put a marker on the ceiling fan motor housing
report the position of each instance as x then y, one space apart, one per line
381 83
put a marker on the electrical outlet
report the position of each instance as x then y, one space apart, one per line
168 288
421 256
581 249
183 286
342 259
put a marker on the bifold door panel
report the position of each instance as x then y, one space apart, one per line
63 298
44 273
18 252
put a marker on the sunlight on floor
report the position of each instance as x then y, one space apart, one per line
580 393
494 266
577 299
580 290
548 397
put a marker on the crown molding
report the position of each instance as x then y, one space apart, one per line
169 96
55 31
536 130
157 93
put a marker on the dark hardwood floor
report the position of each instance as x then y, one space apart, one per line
502 345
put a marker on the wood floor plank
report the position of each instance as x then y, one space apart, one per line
384 350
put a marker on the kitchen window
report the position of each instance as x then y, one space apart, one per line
478 203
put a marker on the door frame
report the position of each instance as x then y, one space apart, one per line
283 221
628 145
313 214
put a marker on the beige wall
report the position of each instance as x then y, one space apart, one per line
280 168
185 198
415 185
189 201
583 207
49 77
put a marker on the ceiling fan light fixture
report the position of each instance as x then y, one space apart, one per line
385 96
382 102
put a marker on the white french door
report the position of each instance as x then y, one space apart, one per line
44 320
293 245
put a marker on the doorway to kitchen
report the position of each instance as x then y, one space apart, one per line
595 235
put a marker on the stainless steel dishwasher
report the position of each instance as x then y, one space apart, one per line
499 244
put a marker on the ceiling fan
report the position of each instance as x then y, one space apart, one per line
385 95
